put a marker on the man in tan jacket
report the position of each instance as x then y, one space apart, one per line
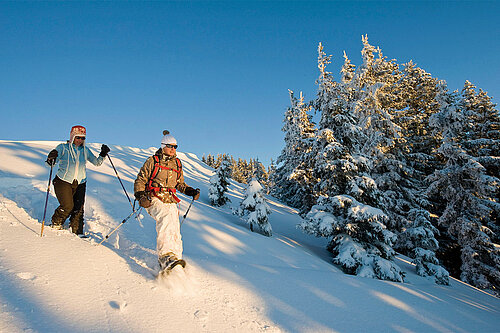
155 188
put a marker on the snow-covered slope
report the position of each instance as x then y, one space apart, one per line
235 281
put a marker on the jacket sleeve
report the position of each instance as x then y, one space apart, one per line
143 175
59 149
181 185
97 161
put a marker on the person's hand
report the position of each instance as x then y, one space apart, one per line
195 193
51 158
104 150
138 195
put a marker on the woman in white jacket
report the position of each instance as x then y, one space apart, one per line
71 178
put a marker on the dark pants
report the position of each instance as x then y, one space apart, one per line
71 201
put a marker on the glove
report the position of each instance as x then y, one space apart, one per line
139 194
143 199
104 151
51 158
195 193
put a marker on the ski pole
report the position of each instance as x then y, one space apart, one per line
46 200
187 211
123 187
124 220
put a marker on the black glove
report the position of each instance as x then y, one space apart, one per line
144 200
138 195
104 151
195 193
51 158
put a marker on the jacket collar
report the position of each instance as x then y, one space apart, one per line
163 156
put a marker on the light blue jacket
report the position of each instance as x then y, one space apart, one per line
72 160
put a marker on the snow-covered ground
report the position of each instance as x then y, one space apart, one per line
235 281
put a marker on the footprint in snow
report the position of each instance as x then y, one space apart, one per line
118 306
26 276
201 315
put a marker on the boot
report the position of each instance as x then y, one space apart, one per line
56 226
165 260
58 219
76 222
169 261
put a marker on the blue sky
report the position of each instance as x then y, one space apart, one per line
216 74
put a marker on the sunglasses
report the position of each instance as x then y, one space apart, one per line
80 137
170 146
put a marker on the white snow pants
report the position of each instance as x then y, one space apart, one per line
168 229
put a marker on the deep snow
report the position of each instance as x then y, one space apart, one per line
235 281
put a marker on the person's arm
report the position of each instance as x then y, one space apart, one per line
97 161
187 190
143 178
54 155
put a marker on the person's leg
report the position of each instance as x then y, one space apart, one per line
64 194
76 216
169 240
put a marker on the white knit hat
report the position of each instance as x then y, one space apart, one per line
168 139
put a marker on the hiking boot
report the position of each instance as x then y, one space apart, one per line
166 260
57 226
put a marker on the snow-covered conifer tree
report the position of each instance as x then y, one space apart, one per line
293 176
254 208
260 173
346 211
482 140
468 192
219 183
419 237
360 242
385 106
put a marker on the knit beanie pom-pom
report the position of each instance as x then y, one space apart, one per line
168 138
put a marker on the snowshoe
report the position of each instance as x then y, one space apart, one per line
168 269
168 262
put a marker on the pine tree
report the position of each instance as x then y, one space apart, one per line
467 190
255 209
293 176
360 242
344 151
271 170
386 108
419 239
260 174
482 140
241 171
210 161
219 183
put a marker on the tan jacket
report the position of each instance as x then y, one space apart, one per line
167 179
